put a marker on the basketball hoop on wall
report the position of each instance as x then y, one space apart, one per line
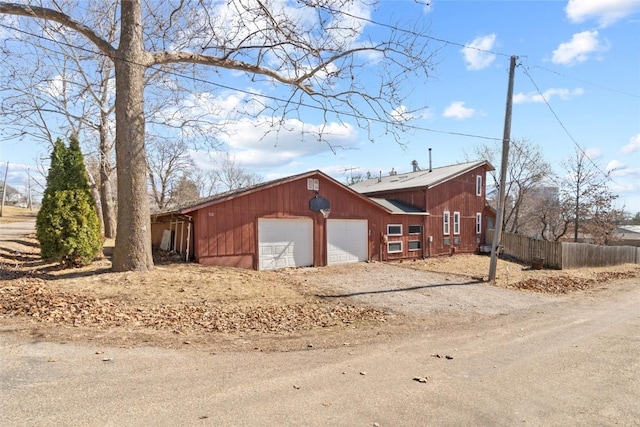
320 204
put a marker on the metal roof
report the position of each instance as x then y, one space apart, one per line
397 207
631 229
423 178
198 204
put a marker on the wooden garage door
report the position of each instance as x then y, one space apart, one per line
347 240
284 243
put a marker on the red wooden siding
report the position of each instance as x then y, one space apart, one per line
455 195
225 232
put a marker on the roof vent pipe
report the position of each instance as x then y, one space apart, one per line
380 177
430 168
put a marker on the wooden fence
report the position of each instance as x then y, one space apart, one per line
564 255
576 255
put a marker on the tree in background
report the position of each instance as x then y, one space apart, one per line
67 224
230 176
584 205
527 171
635 220
168 162
591 201
185 191
226 175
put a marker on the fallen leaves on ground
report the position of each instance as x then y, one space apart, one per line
33 297
566 284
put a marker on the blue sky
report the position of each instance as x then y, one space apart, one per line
582 55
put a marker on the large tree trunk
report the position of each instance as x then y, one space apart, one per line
106 193
133 239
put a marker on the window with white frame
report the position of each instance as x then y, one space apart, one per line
313 184
446 222
415 229
456 223
478 185
415 245
394 229
478 223
394 247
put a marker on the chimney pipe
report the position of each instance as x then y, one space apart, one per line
430 168
380 177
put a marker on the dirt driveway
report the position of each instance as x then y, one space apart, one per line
416 293
567 361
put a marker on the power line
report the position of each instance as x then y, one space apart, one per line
416 34
555 115
586 82
260 95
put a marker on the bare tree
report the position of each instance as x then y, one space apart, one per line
73 86
185 191
168 163
584 204
589 199
527 170
230 176
314 48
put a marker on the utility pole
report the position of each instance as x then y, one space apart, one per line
497 234
4 188
29 201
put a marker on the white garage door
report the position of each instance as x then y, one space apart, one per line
284 243
347 240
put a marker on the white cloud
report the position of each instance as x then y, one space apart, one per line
624 171
633 145
535 97
458 110
578 49
593 153
475 54
606 12
615 165
54 87
401 114
256 143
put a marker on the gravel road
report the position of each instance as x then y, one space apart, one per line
540 361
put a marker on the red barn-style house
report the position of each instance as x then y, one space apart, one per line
311 219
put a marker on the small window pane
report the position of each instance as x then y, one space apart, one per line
447 241
479 185
415 245
394 229
456 223
445 222
415 229
394 247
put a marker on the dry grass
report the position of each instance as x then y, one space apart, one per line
15 214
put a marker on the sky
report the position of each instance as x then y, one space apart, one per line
576 87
